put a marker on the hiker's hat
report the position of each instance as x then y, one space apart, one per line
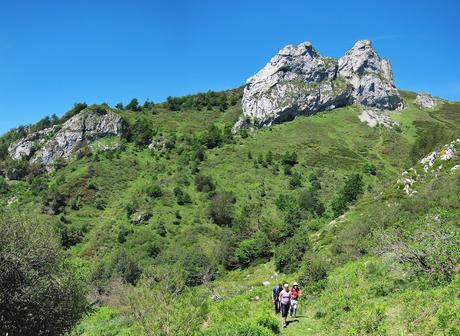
295 284
286 285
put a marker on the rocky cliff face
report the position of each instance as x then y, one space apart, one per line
371 77
299 81
59 142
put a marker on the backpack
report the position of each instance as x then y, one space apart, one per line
276 292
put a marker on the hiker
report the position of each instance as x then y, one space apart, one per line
295 293
285 302
275 297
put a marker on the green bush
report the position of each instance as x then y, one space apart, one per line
154 190
250 250
221 208
289 253
204 183
39 294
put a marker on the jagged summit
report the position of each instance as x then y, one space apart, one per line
299 81
371 77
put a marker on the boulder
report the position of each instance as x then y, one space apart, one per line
425 100
371 77
140 217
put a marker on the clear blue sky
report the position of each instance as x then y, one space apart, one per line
55 53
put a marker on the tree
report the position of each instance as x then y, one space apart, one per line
39 295
353 188
140 132
133 105
213 137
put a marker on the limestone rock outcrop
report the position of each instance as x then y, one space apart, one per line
299 81
61 141
371 77
425 100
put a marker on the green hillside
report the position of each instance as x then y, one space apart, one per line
178 239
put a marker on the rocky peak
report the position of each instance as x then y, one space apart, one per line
296 81
299 81
371 77
60 141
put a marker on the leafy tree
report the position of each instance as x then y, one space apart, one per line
133 105
353 188
38 293
140 132
213 137
221 208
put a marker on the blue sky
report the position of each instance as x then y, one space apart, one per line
56 53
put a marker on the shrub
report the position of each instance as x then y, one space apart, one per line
221 208
310 203
154 190
182 196
140 133
370 169
350 192
124 265
313 270
288 254
213 137
39 295
204 183
4 188
257 247
296 180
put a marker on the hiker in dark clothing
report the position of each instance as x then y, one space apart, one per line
275 297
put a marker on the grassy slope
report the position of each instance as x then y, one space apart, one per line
334 142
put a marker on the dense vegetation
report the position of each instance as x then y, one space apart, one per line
177 239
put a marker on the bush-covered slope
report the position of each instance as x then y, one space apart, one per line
173 223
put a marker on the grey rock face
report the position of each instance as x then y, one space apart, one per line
23 148
56 142
83 128
299 81
371 77
425 100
